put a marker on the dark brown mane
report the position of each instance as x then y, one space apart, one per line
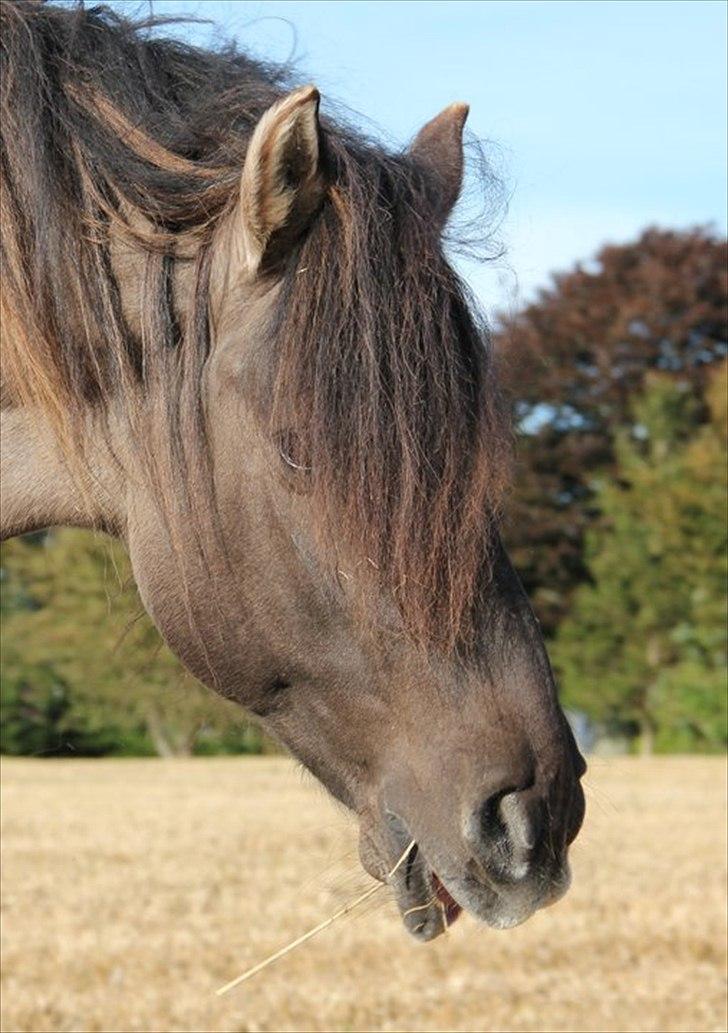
381 370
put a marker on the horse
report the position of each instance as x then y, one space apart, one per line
234 340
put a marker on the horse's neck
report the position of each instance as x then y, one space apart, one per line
44 485
83 485
43 488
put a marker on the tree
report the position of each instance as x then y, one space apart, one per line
644 647
83 668
574 359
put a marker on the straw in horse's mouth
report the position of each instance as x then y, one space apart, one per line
428 908
410 860
409 852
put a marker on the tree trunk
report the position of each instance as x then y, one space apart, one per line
647 739
184 742
170 742
162 745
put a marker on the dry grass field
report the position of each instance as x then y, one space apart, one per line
132 889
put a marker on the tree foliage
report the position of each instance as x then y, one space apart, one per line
83 668
644 647
574 359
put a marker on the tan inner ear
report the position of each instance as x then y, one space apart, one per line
281 184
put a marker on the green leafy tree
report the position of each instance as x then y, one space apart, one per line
644 647
83 668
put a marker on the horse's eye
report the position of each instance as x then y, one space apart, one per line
290 451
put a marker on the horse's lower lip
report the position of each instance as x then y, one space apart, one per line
427 907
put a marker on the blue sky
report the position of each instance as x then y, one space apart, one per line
605 116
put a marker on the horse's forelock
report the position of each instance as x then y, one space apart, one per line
386 377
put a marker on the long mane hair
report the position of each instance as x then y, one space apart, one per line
381 370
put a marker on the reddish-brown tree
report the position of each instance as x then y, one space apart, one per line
572 361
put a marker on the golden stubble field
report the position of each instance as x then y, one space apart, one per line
132 889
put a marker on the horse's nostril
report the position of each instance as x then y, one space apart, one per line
504 833
492 825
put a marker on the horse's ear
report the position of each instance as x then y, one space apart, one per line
282 183
438 148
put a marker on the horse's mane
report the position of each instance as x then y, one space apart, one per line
381 371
